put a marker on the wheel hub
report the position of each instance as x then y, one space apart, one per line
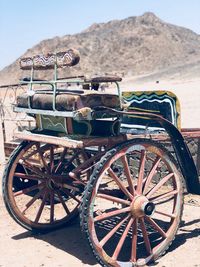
142 206
51 184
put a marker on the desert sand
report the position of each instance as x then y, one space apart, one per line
187 91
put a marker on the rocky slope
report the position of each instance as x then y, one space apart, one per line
133 46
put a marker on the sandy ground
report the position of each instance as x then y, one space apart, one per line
67 248
188 93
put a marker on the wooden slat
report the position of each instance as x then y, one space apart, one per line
49 139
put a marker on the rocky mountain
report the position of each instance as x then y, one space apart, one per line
132 46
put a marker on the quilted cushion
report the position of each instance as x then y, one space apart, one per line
68 101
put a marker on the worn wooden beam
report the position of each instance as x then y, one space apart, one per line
62 141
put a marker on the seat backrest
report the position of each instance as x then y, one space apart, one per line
162 103
70 57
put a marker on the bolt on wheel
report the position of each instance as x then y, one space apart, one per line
133 204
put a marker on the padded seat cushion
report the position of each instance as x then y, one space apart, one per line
68 101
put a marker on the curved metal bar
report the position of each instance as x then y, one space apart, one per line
184 157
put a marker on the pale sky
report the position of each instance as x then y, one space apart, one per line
24 23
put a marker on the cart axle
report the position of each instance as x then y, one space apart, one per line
141 206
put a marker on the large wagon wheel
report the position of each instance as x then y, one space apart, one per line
37 188
133 203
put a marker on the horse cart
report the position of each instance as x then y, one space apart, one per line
97 152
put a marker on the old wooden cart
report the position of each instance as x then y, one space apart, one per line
99 153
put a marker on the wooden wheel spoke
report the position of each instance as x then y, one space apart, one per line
128 174
33 153
164 195
67 192
60 162
65 165
162 181
105 215
77 179
27 176
39 213
51 158
143 182
151 174
52 206
88 164
120 184
29 189
164 201
141 172
156 227
113 231
122 240
62 202
165 214
30 203
134 241
32 168
67 186
77 157
40 152
65 181
114 199
145 236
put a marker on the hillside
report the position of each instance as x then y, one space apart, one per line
133 46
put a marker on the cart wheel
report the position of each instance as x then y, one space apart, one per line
37 189
133 204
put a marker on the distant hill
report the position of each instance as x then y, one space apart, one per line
132 46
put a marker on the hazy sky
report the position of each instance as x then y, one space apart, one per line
24 23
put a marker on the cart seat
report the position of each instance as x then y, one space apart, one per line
68 100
